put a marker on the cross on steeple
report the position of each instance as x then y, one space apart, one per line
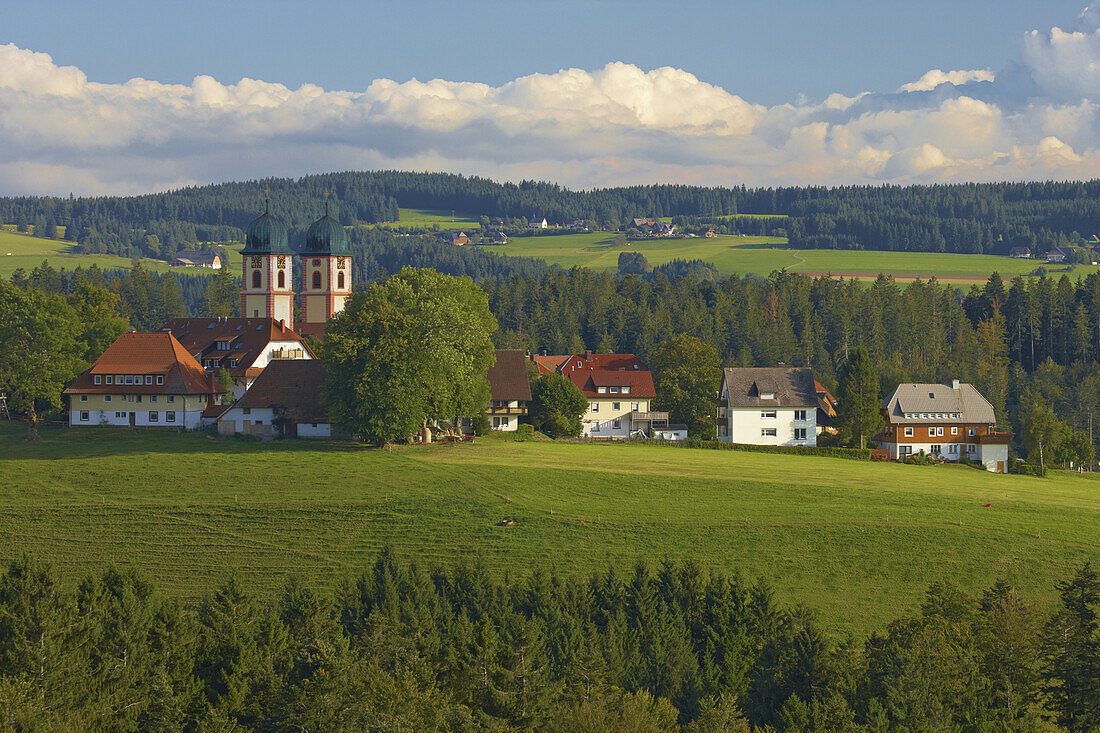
267 200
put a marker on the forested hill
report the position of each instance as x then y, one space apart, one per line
979 217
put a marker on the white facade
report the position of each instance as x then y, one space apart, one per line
994 456
611 418
258 421
505 422
676 432
768 425
145 414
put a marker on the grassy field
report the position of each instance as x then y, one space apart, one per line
445 219
858 542
21 250
763 255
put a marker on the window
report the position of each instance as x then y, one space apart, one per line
767 414
246 410
799 414
936 449
153 416
106 398
316 279
152 398
602 390
340 280
767 395
282 278
160 379
171 398
595 427
258 422
256 279
954 431
909 432
767 432
83 398
973 431
614 390
110 379
232 363
616 424
800 433
634 406
120 415
169 417
148 378
614 405
953 448
97 379
84 415
626 390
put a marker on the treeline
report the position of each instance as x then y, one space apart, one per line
967 218
403 648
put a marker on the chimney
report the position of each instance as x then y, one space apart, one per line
588 355
954 384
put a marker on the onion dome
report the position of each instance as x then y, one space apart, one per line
326 236
266 235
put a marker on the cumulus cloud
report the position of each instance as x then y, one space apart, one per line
1039 118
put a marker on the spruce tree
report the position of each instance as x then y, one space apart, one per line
858 399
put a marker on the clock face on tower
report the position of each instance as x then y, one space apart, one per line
282 261
340 262
255 261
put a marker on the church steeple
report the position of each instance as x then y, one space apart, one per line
266 270
326 271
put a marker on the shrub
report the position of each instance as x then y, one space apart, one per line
855 454
481 424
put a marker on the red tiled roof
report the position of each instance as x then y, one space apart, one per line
548 364
248 338
508 377
590 371
146 354
316 330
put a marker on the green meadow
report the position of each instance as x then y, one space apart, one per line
27 252
445 219
763 255
857 542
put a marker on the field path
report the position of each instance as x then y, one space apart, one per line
801 260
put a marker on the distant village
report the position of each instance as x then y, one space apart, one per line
170 378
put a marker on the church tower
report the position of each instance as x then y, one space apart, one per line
326 273
266 285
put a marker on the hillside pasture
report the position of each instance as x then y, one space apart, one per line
764 255
857 542
27 252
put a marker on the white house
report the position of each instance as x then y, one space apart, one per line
142 380
768 406
285 400
538 223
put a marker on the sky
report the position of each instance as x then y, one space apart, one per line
126 97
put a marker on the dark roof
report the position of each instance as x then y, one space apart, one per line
142 354
247 337
743 387
266 235
326 236
960 399
508 377
199 257
292 384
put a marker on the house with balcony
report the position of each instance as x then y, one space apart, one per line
768 406
142 380
950 421
509 390
620 392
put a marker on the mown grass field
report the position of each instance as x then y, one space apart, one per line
428 217
21 250
763 255
857 542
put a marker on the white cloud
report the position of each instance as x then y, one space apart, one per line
60 132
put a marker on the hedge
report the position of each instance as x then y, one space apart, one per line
852 454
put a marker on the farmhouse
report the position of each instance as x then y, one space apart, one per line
619 388
537 223
459 239
1020 253
198 258
951 421
241 346
768 406
142 379
285 400
509 390
1056 255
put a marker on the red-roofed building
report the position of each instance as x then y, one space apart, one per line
242 346
142 380
619 388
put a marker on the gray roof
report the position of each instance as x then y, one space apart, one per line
953 399
791 387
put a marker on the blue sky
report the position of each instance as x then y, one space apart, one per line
123 97
766 52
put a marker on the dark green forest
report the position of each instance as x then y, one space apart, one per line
399 647
966 218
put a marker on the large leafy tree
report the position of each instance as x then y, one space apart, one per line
408 351
687 373
557 405
222 295
40 349
858 402
97 309
1042 433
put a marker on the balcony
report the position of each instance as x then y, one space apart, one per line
994 438
505 410
650 417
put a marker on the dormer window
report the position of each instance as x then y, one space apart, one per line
614 390
626 390
97 379
110 379
767 395
602 390
160 379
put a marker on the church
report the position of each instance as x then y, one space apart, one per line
244 346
